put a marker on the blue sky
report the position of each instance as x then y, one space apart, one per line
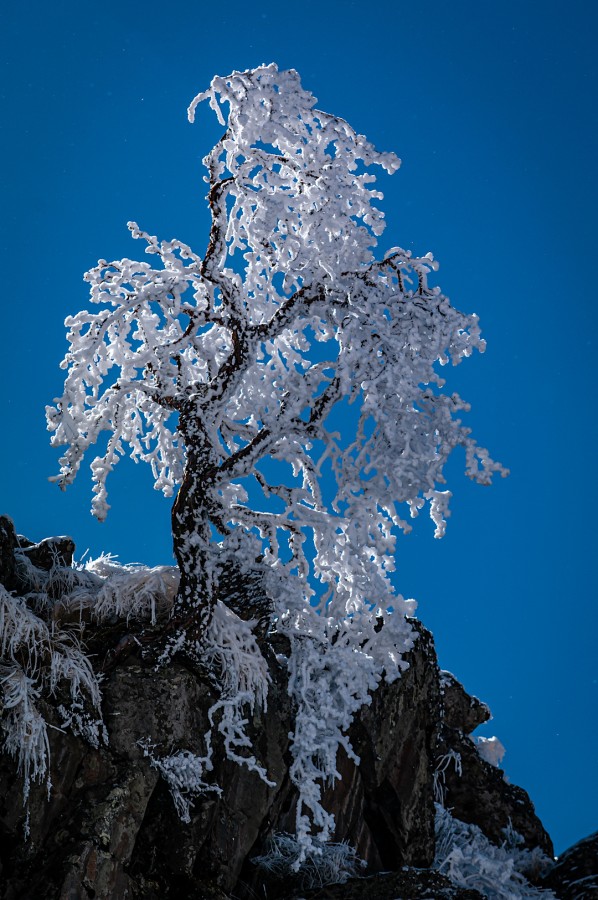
491 108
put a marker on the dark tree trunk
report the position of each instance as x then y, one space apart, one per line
192 532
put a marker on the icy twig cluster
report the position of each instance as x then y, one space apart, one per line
133 591
334 665
35 659
329 863
184 773
452 757
466 856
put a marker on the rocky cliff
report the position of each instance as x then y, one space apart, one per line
104 823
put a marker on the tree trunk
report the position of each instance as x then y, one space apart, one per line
192 533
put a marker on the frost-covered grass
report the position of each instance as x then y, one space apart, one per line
36 658
133 591
326 863
40 657
466 856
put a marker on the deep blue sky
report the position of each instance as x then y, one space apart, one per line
491 106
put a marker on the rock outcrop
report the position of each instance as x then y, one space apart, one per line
575 874
411 884
109 827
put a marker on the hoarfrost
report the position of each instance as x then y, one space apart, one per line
133 591
35 659
466 856
329 863
184 774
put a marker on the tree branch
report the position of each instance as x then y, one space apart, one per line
284 315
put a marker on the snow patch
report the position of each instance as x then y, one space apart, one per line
490 749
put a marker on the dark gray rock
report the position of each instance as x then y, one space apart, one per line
119 833
474 790
575 874
118 830
223 828
395 738
50 553
461 711
24 565
384 806
409 884
8 543
479 794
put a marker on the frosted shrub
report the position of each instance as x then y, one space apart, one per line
328 863
531 863
466 856
25 729
231 651
333 667
184 773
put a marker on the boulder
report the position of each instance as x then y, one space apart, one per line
408 884
8 544
50 553
460 710
472 788
575 874
476 792
111 824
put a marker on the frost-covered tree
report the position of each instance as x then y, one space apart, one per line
287 383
